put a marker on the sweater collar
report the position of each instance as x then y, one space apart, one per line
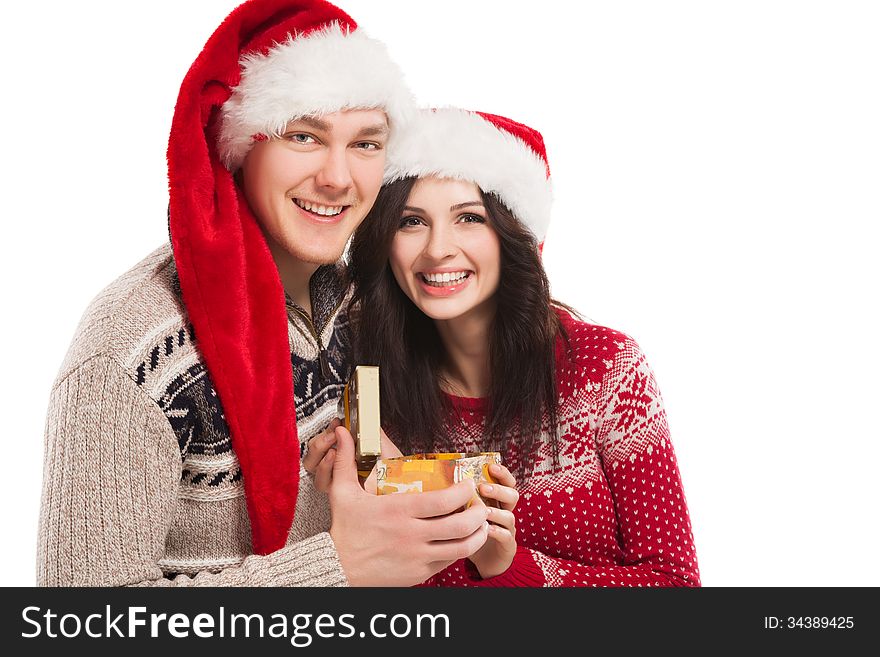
327 289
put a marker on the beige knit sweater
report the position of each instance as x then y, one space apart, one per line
140 482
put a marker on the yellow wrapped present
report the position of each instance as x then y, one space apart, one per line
420 473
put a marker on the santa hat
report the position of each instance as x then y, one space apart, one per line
501 156
269 62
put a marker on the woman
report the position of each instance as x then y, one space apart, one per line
453 304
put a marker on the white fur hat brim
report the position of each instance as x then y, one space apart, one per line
325 71
462 145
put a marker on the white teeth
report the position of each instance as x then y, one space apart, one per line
323 210
446 277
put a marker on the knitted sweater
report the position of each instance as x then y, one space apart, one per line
614 514
141 485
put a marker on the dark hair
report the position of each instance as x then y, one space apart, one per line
390 331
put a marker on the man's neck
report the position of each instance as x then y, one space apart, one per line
295 275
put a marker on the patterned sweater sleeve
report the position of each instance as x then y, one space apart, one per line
647 498
110 483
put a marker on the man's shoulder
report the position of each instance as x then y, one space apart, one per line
130 313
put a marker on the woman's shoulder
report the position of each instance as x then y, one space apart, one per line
584 343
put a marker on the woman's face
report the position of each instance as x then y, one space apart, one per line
445 256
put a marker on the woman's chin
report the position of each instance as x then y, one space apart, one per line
440 314
445 310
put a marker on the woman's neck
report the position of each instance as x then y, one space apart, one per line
466 341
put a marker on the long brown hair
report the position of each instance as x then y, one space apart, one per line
394 334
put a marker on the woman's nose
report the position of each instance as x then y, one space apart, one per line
441 243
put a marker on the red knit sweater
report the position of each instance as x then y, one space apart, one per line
614 514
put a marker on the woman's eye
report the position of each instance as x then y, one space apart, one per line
408 222
472 219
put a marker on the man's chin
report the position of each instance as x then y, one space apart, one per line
319 258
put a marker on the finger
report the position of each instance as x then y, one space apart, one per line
324 473
502 475
344 474
508 497
318 446
502 536
459 548
500 517
454 526
438 502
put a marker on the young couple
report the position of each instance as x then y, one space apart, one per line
190 438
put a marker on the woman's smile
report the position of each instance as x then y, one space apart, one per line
444 283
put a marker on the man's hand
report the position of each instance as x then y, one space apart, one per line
318 460
398 540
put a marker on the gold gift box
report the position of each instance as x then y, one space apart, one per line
420 473
359 412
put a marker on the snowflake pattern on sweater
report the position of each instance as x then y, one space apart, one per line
614 512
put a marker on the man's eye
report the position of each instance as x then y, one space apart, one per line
368 146
300 138
408 222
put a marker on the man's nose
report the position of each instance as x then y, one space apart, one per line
335 171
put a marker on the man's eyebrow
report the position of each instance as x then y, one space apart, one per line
315 123
459 206
377 130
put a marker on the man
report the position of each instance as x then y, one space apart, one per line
194 382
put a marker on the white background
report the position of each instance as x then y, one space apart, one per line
716 169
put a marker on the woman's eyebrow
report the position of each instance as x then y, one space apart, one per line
459 206
452 208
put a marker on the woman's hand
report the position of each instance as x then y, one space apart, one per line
497 553
318 461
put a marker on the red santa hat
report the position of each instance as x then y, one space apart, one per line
269 62
503 157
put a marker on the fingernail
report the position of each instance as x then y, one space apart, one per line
485 525
487 488
489 511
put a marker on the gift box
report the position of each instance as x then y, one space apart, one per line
358 408
420 473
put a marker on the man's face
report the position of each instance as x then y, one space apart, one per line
313 186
